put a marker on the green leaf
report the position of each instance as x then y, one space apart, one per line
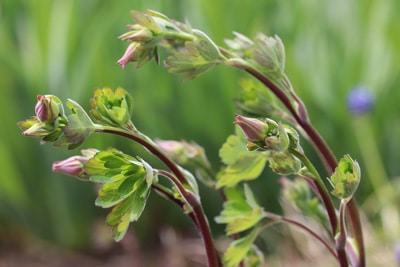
126 183
254 258
241 212
109 194
240 248
245 167
234 147
127 211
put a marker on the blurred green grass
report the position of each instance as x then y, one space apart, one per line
69 47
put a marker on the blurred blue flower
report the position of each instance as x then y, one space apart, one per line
360 100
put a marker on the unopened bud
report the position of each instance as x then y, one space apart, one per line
47 109
255 130
74 166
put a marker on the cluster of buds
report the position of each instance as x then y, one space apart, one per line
150 30
49 119
267 134
112 108
279 139
52 125
266 54
191 51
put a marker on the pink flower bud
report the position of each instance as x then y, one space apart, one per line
74 165
46 109
254 129
132 54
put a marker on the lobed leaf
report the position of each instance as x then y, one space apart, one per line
240 212
245 167
240 248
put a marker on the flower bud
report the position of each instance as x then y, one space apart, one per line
132 54
112 108
346 178
255 130
74 165
47 109
172 148
139 34
269 53
284 163
184 152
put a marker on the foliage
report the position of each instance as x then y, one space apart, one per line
127 181
363 37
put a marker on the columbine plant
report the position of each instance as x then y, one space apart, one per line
270 119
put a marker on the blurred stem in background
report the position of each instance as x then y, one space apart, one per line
382 201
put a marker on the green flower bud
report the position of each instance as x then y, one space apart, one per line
346 178
279 141
33 127
241 45
139 34
112 108
284 163
269 54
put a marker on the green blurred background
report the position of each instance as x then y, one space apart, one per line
70 47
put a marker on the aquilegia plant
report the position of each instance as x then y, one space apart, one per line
270 118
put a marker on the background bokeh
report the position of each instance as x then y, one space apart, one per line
70 47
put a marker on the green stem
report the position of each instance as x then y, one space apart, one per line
322 190
179 181
341 236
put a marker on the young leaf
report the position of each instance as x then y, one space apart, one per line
240 248
126 186
127 211
241 212
244 168
234 147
